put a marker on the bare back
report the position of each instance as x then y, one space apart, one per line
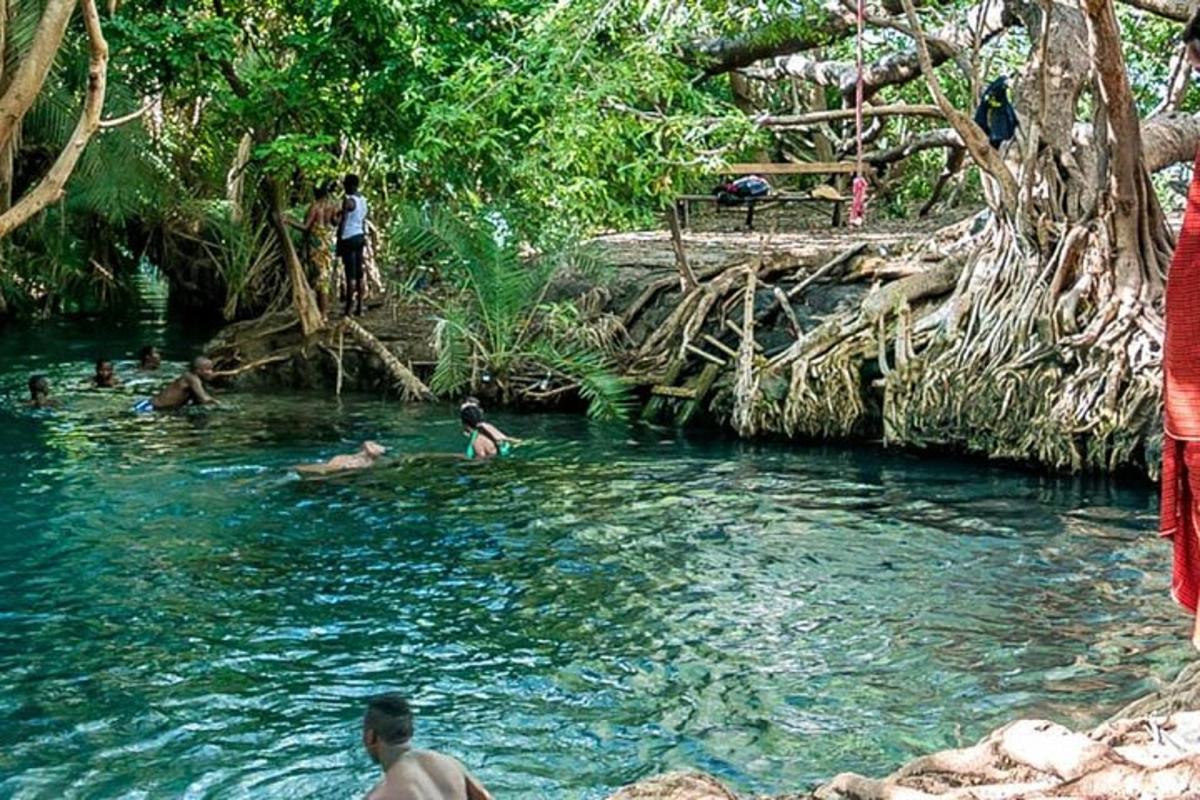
187 388
425 775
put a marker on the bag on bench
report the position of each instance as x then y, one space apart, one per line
734 193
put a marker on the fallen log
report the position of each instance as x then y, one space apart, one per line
411 387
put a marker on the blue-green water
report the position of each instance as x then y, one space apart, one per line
181 618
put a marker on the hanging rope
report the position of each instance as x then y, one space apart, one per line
858 205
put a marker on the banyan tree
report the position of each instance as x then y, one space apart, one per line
1038 334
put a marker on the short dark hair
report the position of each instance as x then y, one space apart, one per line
39 384
147 351
102 361
350 182
471 416
390 716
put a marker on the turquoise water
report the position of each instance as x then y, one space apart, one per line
180 617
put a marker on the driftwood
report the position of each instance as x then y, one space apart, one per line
411 387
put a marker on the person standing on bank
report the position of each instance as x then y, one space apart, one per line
352 239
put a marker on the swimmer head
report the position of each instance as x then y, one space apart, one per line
104 372
203 367
373 449
39 387
387 725
149 357
471 416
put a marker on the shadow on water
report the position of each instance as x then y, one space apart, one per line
182 616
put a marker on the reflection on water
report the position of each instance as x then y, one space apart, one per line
181 617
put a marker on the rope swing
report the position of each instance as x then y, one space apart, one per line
858 205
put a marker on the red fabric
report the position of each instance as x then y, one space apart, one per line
1180 490
1181 401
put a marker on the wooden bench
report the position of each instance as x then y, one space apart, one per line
683 202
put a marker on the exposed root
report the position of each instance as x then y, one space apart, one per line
1129 759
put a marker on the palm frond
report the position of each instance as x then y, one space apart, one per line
606 393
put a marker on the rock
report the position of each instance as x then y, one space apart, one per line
676 786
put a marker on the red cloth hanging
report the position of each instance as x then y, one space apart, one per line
1181 402
858 203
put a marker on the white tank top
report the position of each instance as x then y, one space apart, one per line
354 223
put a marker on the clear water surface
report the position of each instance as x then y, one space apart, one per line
181 617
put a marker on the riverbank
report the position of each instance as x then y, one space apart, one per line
1148 751
801 335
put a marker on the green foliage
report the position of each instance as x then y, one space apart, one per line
493 323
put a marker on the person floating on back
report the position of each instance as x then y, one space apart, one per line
188 388
352 239
365 457
149 359
410 774
105 377
39 393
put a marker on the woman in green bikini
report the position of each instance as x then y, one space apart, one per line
486 439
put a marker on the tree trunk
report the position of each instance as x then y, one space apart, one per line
52 187
303 297
1048 346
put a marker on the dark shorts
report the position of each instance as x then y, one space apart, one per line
351 252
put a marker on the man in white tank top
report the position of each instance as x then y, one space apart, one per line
352 238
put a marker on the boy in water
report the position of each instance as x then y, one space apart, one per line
149 359
187 388
366 456
410 774
105 377
39 393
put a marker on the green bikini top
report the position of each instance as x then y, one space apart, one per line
503 447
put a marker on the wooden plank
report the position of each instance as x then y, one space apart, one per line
788 197
674 391
704 383
798 168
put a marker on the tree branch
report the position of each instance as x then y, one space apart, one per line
830 23
53 185
929 140
986 20
973 137
31 74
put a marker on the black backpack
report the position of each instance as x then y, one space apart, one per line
995 114
733 193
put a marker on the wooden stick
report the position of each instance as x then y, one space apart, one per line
687 278
262 362
341 345
674 391
707 356
733 326
717 343
786 305
826 268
